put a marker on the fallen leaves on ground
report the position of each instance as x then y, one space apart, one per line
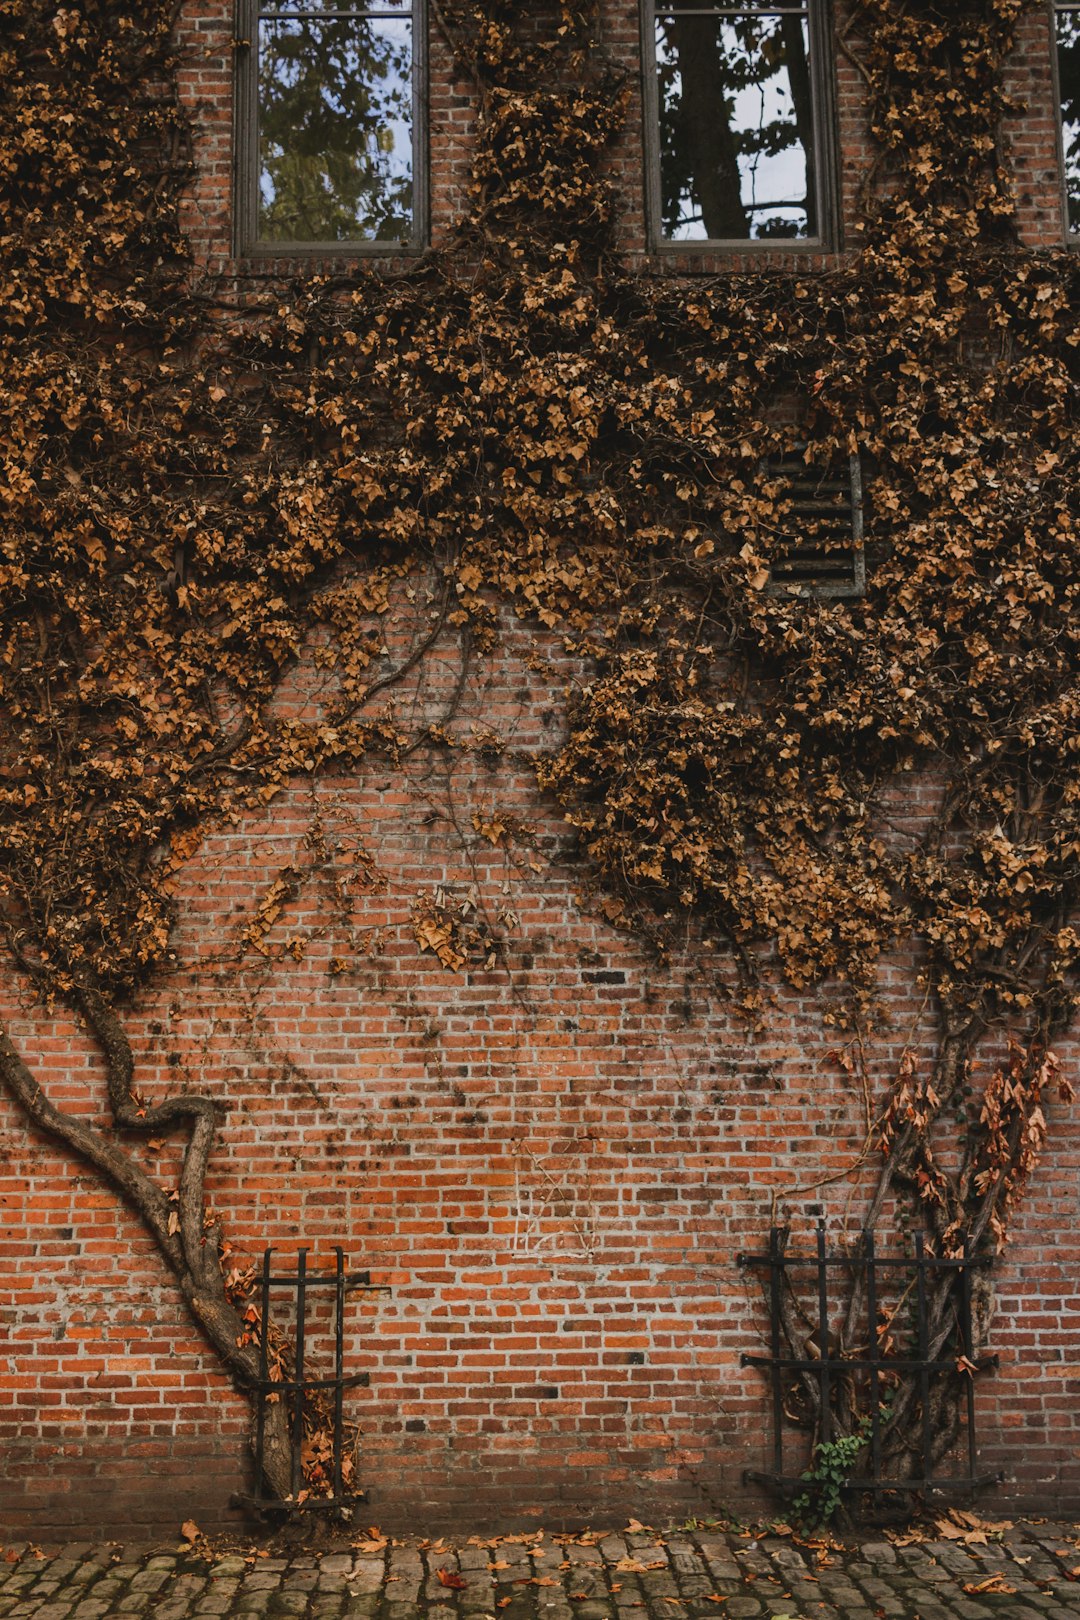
955 1525
992 1583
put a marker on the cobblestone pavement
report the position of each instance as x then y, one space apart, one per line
1026 1571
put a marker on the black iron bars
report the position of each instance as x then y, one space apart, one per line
949 1356
299 1387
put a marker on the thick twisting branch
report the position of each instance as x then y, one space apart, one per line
188 1250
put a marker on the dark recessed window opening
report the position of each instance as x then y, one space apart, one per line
330 122
1067 20
820 552
736 122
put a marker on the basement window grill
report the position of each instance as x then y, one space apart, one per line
822 553
931 1347
319 1321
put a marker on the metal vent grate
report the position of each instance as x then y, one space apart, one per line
822 555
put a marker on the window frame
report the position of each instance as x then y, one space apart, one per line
246 241
819 21
1056 8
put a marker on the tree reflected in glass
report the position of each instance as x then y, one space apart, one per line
1068 44
736 126
335 128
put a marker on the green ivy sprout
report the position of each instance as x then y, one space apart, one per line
833 1462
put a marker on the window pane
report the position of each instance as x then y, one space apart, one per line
335 129
736 127
736 8
355 8
1068 41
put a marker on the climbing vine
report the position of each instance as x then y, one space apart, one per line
198 491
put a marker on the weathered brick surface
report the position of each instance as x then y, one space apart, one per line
553 1162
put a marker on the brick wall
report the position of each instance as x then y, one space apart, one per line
206 39
552 1161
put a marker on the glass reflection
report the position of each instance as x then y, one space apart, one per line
352 7
736 126
1068 46
335 129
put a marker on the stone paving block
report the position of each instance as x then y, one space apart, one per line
367 1575
226 1568
362 1606
476 1557
787 1556
106 1591
478 1597
883 1597
286 1603
405 1576
149 1579
45 1587
926 1568
545 1559
585 1555
720 1563
594 1610
401 1611
520 1607
553 1606
956 1559
516 1560
435 1590
257 1602
691 1586
335 1564
218 1602
20 1581
261 1579
588 1580
300 1580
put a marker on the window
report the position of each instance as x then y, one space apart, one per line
1067 21
329 115
736 122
